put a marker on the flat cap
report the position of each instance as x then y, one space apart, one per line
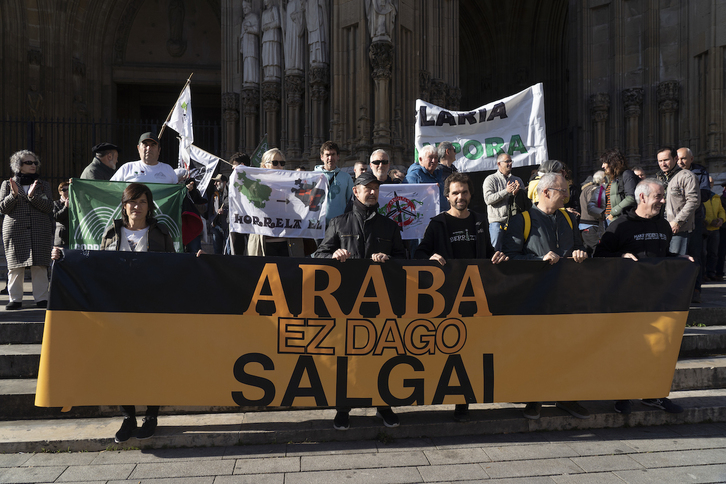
104 147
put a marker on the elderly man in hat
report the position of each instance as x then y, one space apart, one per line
363 233
148 169
103 166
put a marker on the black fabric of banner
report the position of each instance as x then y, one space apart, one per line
97 281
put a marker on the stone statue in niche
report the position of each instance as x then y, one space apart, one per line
249 45
381 19
293 30
316 16
176 45
271 43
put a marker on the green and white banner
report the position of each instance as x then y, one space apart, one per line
513 125
94 205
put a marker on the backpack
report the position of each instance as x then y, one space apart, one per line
528 222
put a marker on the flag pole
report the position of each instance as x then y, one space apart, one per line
172 109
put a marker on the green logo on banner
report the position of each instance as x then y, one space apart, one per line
94 205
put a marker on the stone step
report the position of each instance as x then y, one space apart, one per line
703 341
19 361
17 396
21 333
276 426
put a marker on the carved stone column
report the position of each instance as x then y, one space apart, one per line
424 84
230 113
632 100
250 105
271 103
453 100
438 92
668 107
599 107
318 77
294 88
381 57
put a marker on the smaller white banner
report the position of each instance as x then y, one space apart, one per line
277 203
410 206
201 165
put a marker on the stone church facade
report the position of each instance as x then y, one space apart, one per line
632 74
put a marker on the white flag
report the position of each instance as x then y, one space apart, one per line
278 203
181 117
200 164
410 206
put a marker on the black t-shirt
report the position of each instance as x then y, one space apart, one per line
462 234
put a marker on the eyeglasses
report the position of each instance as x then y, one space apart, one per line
276 162
378 162
26 162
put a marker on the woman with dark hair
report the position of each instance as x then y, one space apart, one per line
621 183
136 231
27 203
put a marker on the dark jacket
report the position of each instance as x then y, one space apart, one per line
96 170
642 237
60 213
436 239
159 238
547 233
362 233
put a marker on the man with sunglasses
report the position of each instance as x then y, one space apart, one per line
546 232
340 184
380 165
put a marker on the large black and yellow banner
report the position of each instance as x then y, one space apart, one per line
172 329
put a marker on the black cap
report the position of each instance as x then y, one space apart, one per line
103 147
149 135
365 178
220 178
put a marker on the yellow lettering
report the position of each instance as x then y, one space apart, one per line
413 291
479 298
277 294
380 297
326 294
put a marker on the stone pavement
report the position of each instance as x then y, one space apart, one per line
664 454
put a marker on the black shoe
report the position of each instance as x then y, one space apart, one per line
147 428
341 421
461 412
623 406
41 304
126 431
389 418
12 306
663 404
4 292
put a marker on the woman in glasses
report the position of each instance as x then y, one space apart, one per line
27 203
263 245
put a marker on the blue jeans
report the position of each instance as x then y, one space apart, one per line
495 232
219 237
679 243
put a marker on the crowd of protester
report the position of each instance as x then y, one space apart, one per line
616 212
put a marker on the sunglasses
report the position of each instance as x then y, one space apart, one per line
26 162
378 162
276 163
64 189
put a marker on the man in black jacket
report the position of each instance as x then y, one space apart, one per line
641 232
458 233
363 233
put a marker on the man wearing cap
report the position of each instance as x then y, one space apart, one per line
218 214
147 169
362 233
103 166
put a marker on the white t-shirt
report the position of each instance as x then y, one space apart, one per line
138 171
134 240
